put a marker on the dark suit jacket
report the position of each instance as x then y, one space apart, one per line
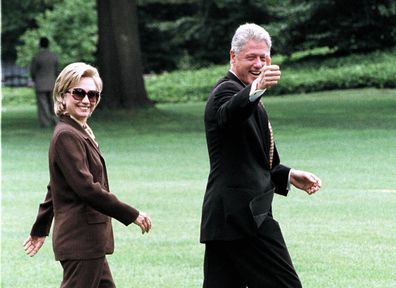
43 69
78 197
240 185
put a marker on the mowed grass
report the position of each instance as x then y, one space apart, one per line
343 236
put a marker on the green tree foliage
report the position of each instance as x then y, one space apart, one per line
185 34
218 20
165 27
345 26
16 16
178 34
71 28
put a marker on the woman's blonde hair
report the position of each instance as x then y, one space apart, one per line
71 75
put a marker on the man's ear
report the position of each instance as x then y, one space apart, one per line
232 57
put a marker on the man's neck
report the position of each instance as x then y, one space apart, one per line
237 77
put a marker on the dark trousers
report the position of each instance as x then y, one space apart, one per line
262 261
92 273
45 109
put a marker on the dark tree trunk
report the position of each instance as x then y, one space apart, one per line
119 56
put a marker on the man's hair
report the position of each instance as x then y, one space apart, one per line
246 32
44 42
71 75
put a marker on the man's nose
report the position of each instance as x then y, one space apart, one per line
258 62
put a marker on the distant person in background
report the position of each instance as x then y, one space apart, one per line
43 70
244 245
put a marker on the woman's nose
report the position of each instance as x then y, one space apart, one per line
85 99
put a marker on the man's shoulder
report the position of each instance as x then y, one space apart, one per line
230 78
46 53
227 83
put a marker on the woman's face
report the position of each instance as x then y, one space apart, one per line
79 108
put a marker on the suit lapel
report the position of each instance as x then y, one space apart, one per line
82 132
259 119
92 142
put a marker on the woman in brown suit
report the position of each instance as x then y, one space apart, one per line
78 196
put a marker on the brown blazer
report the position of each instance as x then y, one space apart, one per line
78 197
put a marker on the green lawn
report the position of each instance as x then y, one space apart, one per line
344 236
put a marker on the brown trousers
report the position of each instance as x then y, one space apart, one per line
91 273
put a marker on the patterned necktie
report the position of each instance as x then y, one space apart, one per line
271 149
272 144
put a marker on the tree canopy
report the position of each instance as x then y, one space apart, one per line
346 26
71 28
188 33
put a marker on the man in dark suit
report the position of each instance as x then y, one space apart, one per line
43 70
244 245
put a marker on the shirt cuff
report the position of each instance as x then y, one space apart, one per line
288 182
255 94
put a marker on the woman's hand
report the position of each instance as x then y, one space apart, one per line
33 244
144 222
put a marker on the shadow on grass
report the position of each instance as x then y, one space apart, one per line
21 121
346 109
179 118
175 118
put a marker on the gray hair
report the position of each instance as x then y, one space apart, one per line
246 32
69 76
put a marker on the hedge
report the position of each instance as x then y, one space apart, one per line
375 69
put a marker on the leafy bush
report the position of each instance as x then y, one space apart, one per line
70 28
355 71
298 76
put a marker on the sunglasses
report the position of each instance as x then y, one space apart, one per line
79 94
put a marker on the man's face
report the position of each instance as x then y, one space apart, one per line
249 61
